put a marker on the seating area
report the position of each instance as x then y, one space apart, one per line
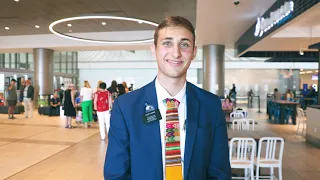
17 110
251 151
46 111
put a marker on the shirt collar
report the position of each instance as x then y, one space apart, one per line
163 94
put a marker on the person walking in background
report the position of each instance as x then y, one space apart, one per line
250 98
113 89
121 90
28 95
12 98
86 104
101 105
233 95
61 92
125 86
69 105
97 88
21 89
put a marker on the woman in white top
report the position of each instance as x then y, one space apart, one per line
86 99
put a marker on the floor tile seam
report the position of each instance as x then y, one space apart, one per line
51 156
7 127
38 125
25 124
29 136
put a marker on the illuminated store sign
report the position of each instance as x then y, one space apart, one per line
265 24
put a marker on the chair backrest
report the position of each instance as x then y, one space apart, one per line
271 151
251 123
236 124
236 115
242 149
241 125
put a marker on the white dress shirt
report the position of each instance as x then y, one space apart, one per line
182 111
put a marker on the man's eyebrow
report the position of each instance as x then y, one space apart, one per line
185 39
167 38
170 38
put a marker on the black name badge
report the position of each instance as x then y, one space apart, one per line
152 116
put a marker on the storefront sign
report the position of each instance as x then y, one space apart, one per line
265 24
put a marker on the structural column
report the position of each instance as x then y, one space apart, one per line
43 72
213 68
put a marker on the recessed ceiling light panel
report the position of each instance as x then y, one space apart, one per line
37 26
51 26
6 28
69 25
104 23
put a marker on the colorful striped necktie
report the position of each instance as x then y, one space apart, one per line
173 153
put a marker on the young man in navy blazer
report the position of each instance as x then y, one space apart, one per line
137 144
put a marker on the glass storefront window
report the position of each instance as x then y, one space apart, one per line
56 61
6 60
13 61
64 62
30 61
23 61
69 63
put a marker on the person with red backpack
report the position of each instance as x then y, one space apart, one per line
102 106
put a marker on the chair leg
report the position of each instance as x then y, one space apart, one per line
280 173
252 173
246 174
271 173
298 127
257 172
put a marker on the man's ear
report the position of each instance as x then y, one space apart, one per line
194 52
153 50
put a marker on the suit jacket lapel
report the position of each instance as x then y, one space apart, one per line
153 129
192 125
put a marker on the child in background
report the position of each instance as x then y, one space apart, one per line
78 109
101 105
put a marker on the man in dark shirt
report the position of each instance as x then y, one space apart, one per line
54 104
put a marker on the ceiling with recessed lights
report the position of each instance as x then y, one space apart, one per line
30 17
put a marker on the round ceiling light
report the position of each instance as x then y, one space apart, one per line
7 28
69 25
104 23
37 26
100 17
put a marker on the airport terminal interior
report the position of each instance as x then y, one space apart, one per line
261 57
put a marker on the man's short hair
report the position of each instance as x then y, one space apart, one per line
174 21
102 85
13 80
276 90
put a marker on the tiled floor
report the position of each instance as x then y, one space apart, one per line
41 148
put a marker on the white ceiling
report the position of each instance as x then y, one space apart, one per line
21 17
296 35
216 21
221 22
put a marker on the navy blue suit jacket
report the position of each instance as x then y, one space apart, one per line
134 148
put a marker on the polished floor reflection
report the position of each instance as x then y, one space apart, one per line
41 148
